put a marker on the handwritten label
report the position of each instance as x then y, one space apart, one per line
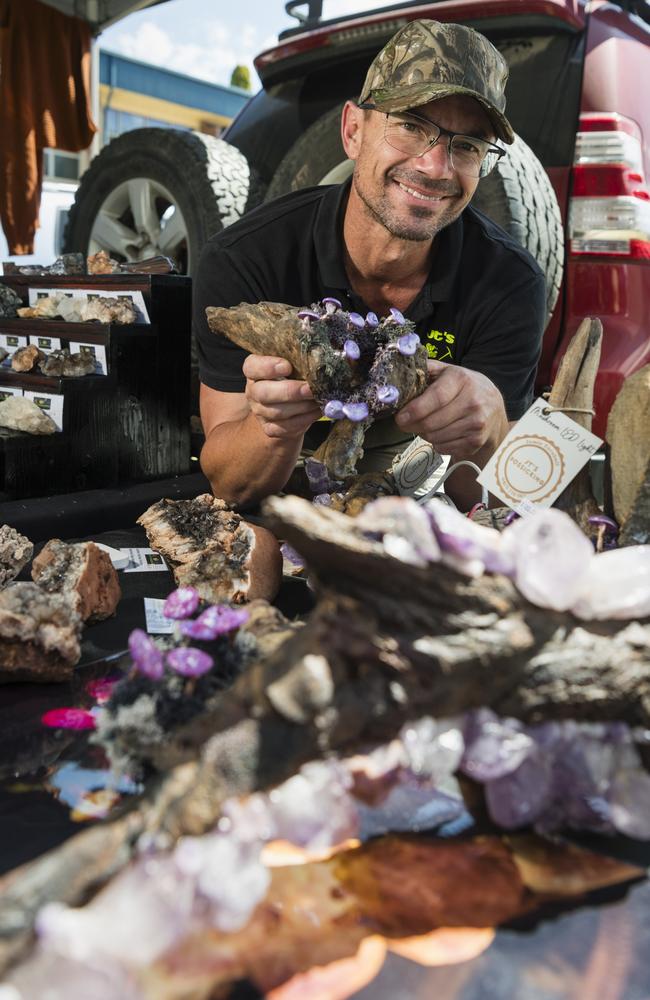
538 458
157 623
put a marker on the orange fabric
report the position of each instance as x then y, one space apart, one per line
44 102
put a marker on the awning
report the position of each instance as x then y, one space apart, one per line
101 13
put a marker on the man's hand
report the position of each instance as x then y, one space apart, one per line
461 413
283 405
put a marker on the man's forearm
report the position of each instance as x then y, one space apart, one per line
244 465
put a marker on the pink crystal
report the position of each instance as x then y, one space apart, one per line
68 718
617 585
551 556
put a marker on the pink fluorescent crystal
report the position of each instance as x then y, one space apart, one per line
101 689
189 662
181 603
68 718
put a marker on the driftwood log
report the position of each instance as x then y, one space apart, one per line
629 443
387 642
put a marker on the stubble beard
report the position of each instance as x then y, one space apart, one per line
382 212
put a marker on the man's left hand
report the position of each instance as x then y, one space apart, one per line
460 413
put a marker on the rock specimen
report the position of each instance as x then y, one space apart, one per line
21 414
83 574
61 362
102 263
26 358
359 369
67 263
214 550
39 635
9 302
81 310
15 552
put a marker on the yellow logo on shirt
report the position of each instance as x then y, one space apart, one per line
439 345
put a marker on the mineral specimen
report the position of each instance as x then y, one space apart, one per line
61 362
67 263
359 369
102 263
39 635
15 552
9 302
81 573
214 550
26 358
80 310
22 414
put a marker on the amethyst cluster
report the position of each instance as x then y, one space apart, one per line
361 378
188 661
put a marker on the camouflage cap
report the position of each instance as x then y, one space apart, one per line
427 60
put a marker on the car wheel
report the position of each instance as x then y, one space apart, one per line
160 191
517 195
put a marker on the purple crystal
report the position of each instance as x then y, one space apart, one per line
408 344
181 603
146 656
372 319
318 476
216 620
189 662
308 314
397 315
387 395
314 808
331 305
352 350
494 746
355 412
519 798
469 547
333 409
356 320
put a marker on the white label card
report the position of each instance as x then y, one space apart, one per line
94 293
538 458
157 624
9 390
11 342
417 469
98 351
50 404
144 561
46 344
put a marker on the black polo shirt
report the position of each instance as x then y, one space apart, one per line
483 306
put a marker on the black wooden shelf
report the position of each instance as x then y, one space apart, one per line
128 426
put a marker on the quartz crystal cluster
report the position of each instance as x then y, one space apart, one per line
550 776
551 561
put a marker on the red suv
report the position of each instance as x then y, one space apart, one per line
577 97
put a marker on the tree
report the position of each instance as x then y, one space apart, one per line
241 77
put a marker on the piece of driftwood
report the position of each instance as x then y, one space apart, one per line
573 393
629 441
276 330
387 642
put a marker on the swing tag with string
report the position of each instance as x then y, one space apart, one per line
538 458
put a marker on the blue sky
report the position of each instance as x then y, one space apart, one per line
207 38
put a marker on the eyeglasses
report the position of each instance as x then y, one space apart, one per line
416 136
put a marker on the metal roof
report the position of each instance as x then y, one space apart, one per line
101 13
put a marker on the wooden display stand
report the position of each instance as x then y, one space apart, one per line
129 425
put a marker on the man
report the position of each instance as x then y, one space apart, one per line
399 234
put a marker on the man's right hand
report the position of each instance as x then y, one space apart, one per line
284 406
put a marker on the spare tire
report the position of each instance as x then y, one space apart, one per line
517 195
160 191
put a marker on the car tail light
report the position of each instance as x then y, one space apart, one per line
609 212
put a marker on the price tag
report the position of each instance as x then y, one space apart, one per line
538 458
50 404
144 561
98 351
157 623
417 469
